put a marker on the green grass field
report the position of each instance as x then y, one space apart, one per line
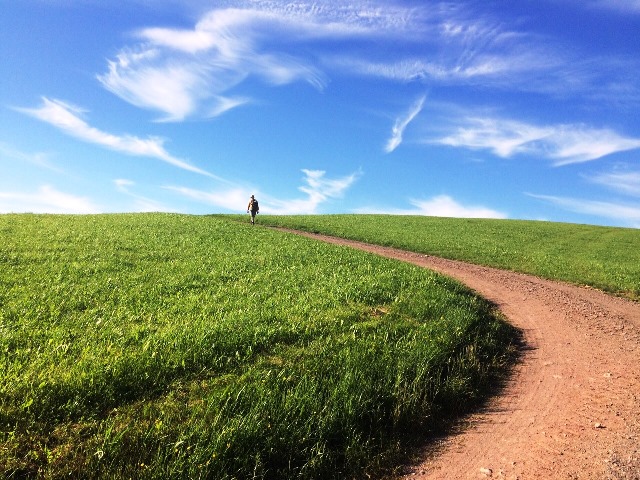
603 257
175 346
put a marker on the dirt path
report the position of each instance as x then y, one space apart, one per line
572 408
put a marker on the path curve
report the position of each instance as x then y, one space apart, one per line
571 409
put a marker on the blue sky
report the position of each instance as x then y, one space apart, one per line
496 109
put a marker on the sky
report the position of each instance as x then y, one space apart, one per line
508 109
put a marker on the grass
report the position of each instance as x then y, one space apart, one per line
175 346
607 258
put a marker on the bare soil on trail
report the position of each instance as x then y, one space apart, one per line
570 409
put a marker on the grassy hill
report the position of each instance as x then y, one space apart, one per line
176 346
607 258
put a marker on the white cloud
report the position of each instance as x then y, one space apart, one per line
224 104
504 137
491 68
563 144
141 203
46 200
461 45
621 6
39 159
626 182
303 20
575 144
401 124
630 214
445 206
232 199
122 184
317 190
187 72
181 72
173 89
66 118
441 206
190 41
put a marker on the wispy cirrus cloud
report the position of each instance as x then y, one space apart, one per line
467 45
317 189
626 182
401 124
497 69
445 206
628 213
141 203
190 72
440 206
407 70
231 199
562 144
460 44
620 6
39 159
46 199
185 72
67 118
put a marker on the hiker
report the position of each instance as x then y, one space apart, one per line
254 208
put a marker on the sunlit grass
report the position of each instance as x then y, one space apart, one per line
174 346
603 257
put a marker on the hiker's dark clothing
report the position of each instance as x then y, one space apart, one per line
253 208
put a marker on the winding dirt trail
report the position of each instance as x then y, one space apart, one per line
571 409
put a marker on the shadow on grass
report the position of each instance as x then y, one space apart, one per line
428 444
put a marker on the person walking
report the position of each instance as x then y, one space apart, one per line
253 208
